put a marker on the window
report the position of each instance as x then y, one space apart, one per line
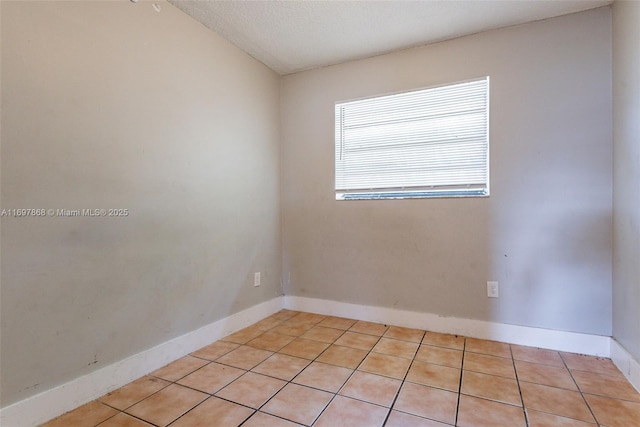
426 143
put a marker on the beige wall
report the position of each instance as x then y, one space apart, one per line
113 105
545 232
626 177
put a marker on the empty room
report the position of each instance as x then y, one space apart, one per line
320 213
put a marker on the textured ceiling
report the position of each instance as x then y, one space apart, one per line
290 36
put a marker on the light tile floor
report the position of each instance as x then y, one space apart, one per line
296 368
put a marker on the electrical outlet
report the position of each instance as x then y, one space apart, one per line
256 279
493 290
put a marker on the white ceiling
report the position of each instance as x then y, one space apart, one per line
291 36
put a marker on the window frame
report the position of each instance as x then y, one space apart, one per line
409 191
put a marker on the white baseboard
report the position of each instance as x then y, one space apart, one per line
626 363
58 400
573 342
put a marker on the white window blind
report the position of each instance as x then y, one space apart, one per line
425 143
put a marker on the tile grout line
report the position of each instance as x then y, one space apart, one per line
316 359
578 388
117 413
352 373
395 398
334 395
294 377
369 352
210 395
191 388
136 402
174 382
524 410
344 331
114 415
464 352
313 360
213 394
250 370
